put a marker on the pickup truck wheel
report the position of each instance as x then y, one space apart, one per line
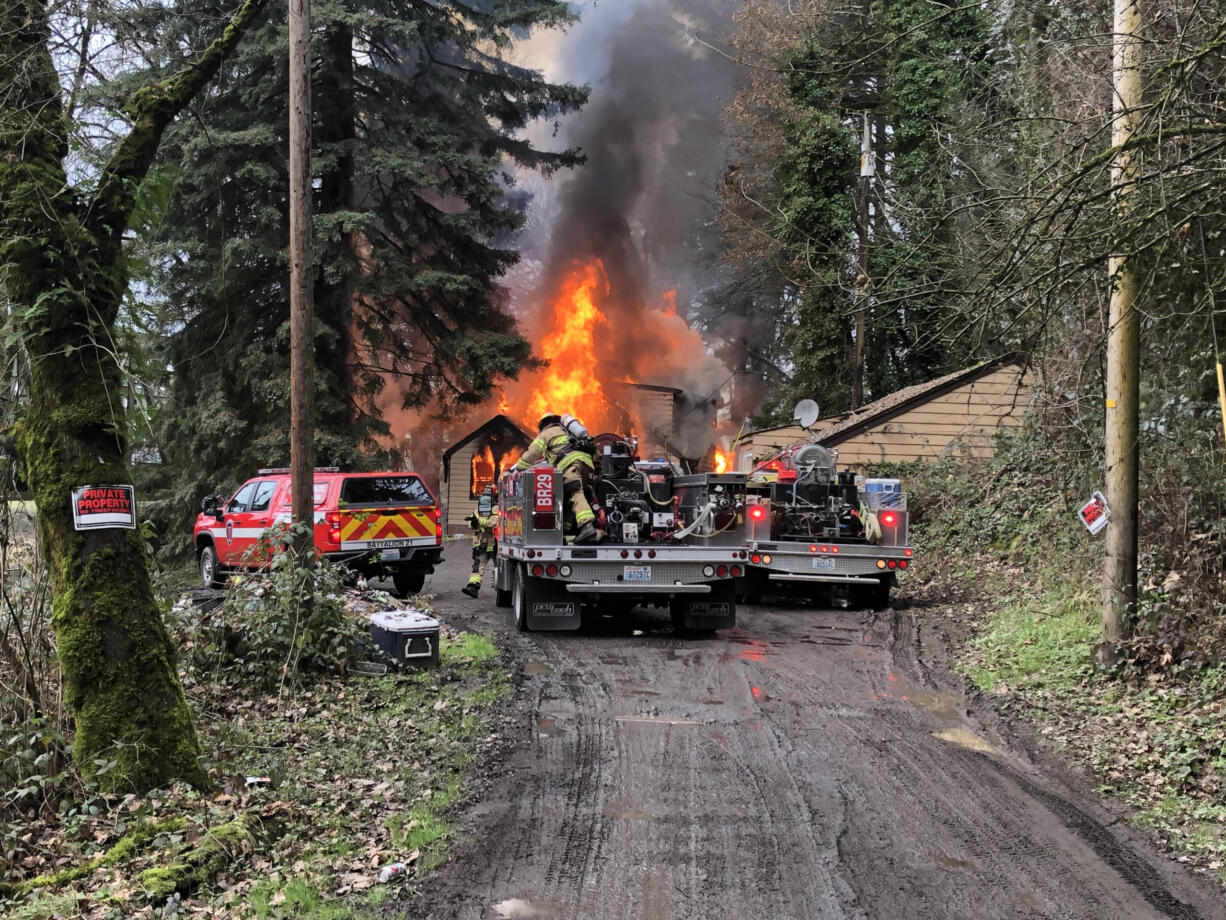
519 603
408 583
210 570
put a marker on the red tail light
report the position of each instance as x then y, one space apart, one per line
902 564
757 512
551 570
538 570
736 571
334 519
892 564
542 520
721 570
756 558
334 535
889 519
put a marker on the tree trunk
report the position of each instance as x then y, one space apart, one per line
62 265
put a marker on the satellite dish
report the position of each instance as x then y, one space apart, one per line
805 413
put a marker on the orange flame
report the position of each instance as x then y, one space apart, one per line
721 461
570 383
483 470
487 468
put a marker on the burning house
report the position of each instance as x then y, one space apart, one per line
474 462
656 416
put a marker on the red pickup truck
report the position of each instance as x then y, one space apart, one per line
378 524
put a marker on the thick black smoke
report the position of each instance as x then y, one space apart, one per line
643 202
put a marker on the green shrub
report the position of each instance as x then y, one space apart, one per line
276 626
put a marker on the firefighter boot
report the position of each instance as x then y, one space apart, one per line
473 587
587 534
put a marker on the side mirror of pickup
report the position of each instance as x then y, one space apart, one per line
209 506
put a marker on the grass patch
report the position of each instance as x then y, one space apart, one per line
1035 643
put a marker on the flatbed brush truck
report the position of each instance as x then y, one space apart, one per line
823 534
672 540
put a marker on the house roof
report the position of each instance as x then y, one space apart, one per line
894 405
837 429
497 423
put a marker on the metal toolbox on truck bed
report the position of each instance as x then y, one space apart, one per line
407 636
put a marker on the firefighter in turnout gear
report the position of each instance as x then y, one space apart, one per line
555 445
485 539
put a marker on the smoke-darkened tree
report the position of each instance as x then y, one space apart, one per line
417 115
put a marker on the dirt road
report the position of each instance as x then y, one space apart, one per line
809 764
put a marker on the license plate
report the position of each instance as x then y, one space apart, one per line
388 544
636 573
823 562
389 554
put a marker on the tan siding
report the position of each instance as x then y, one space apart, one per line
774 440
459 504
656 413
962 421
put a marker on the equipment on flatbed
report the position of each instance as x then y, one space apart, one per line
670 540
815 530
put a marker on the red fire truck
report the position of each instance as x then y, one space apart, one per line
383 525
673 540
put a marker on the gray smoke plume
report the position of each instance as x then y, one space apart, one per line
642 203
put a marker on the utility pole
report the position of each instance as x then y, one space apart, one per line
867 167
1123 346
301 361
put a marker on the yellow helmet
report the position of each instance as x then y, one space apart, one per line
549 418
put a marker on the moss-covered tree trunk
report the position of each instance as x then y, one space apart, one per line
62 272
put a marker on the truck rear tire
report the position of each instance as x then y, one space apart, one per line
876 597
519 603
408 582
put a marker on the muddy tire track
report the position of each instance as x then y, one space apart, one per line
809 764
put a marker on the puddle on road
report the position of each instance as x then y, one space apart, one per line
963 738
625 808
950 863
941 704
537 667
550 728
519 909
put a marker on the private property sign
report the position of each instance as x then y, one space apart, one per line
95 507
1095 514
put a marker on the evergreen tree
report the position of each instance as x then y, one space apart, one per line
417 116
914 70
816 175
